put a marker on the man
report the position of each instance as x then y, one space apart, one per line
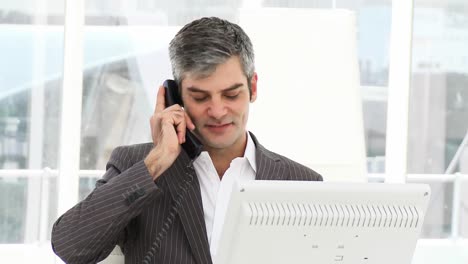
153 201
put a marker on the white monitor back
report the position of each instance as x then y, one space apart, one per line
309 106
311 222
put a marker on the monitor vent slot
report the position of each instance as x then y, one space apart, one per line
333 215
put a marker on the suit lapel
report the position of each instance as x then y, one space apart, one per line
269 165
190 207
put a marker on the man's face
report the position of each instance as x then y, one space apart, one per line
219 105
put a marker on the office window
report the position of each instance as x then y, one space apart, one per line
439 102
31 48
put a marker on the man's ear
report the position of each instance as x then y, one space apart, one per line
253 87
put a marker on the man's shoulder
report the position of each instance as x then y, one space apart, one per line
125 156
134 149
293 170
296 170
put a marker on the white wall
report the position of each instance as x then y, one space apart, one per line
309 104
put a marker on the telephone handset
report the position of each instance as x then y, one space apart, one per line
192 146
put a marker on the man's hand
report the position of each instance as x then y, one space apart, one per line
168 126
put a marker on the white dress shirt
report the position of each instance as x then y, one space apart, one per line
215 193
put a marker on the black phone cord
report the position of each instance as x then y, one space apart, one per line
156 246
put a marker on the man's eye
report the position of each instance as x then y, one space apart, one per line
200 99
231 96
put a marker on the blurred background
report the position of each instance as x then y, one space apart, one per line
125 59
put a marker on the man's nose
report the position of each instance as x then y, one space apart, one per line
217 109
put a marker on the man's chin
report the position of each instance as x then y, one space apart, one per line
213 140
218 141
217 145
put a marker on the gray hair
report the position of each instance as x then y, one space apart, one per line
205 43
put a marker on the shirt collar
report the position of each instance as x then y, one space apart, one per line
250 152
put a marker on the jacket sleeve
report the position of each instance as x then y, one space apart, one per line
89 231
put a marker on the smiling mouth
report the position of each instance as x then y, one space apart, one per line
218 125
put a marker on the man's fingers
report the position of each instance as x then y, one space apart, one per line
174 117
188 121
152 125
180 125
176 122
160 101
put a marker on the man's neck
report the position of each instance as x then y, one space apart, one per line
222 158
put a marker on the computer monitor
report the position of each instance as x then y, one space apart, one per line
279 222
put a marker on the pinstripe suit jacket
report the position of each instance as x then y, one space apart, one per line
129 209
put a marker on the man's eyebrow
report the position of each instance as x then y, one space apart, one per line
230 88
233 87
